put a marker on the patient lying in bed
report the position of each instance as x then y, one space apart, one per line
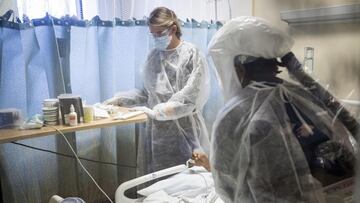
192 185
201 159
196 185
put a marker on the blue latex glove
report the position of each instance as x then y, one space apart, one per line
291 62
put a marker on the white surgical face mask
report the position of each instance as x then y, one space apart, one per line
162 42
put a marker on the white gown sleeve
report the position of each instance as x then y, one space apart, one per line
129 98
190 97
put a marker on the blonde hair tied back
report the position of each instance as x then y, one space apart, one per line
164 17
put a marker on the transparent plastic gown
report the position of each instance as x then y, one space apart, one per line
175 91
256 157
255 154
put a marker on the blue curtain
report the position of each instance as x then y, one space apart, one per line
30 72
94 59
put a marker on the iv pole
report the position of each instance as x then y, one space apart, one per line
216 16
216 9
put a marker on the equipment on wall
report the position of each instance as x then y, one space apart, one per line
341 13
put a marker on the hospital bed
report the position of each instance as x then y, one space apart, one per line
187 185
120 191
336 193
339 192
155 193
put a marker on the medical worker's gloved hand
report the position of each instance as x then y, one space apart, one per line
149 112
291 62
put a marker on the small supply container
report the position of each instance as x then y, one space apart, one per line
88 114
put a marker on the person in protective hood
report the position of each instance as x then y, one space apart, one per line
273 138
175 79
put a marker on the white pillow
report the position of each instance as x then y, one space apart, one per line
188 183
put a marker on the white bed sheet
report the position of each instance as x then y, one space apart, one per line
194 185
163 197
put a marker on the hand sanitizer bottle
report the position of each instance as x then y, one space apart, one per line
72 116
309 60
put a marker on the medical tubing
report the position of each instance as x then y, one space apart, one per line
203 177
82 166
230 12
216 10
206 185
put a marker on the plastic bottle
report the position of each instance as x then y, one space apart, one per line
72 116
309 60
88 114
